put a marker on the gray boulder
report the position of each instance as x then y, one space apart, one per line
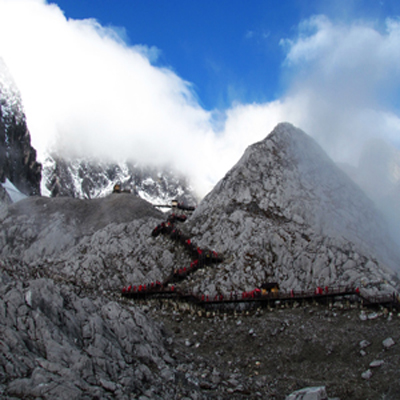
310 393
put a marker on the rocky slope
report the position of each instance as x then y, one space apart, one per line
17 156
284 213
55 344
66 333
84 240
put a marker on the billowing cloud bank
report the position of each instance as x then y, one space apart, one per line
86 91
347 80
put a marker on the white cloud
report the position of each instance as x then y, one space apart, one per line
345 77
85 90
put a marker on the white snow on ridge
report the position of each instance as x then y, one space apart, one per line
11 103
13 192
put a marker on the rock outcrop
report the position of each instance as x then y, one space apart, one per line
4 197
310 393
66 332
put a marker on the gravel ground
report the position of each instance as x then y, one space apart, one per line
269 353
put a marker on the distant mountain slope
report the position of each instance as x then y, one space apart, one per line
84 216
285 212
89 178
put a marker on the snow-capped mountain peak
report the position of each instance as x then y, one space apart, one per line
90 178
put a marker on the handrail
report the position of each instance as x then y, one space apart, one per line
235 297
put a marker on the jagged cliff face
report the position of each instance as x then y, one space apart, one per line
89 178
17 156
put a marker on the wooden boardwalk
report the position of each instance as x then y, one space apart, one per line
233 299
204 257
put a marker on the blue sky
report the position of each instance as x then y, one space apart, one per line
191 84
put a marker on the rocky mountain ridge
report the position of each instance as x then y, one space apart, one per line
274 217
91 178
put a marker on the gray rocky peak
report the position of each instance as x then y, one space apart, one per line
288 176
285 212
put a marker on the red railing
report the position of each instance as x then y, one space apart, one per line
257 296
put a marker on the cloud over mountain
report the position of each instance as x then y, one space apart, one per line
87 91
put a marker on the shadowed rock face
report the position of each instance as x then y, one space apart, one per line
17 156
4 197
84 216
